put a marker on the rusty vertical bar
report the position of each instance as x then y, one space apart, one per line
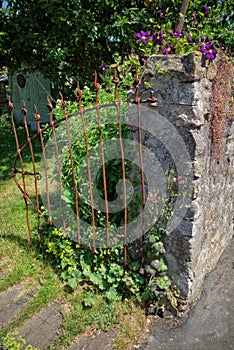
50 108
72 166
37 118
24 112
24 191
137 101
124 183
79 99
96 89
115 80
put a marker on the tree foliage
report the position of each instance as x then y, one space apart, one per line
74 37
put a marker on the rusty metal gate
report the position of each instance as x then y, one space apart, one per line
53 195
97 181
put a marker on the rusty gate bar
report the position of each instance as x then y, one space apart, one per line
37 118
115 80
50 107
23 173
24 112
73 169
79 99
137 101
96 89
124 183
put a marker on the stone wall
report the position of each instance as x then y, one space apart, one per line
182 85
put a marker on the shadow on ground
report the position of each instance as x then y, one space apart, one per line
210 323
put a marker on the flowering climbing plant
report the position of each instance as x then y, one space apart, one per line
208 48
74 38
174 42
164 38
167 40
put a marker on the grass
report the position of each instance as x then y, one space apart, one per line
132 329
20 264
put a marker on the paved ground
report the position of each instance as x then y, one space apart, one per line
13 301
208 326
41 330
102 341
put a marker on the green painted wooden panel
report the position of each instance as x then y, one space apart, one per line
35 92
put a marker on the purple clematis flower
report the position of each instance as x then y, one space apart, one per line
190 39
143 58
206 40
206 11
143 37
158 38
168 49
176 33
208 48
104 68
161 12
194 18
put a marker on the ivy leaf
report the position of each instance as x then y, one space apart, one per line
63 264
113 295
95 279
164 282
73 283
90 299
64 275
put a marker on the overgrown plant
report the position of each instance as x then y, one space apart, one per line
163 38
103 271
14 341
93 31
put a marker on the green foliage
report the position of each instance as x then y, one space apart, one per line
94 314
103 271
20 264
72 39
13 341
